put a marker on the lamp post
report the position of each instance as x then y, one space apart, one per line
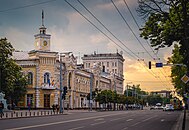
91 88
61 88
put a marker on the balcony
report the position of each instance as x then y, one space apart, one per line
48 86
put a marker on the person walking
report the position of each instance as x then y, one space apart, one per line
1 109
29 107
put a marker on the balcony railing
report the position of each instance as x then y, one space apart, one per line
48 86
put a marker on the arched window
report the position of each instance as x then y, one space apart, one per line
30 78
47 78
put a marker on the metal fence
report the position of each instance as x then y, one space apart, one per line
21 114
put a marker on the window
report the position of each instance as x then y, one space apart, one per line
47 78
112 64
115 70
30 99
30 78
115 64
107 64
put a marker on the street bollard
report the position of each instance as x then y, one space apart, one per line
48 112
6 115
21 114
16 114
41 113
11 114
26 114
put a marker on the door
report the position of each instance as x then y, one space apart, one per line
47 100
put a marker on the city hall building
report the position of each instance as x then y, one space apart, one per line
42 67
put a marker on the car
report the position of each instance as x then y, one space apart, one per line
168 107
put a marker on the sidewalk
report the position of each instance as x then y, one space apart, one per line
26 114
179 125
187 121
12 114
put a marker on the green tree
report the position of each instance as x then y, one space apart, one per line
177 71
13 82
167 23
153 99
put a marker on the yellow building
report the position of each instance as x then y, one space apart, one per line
41 66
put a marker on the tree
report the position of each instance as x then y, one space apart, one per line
177 71
153 99
167 22
13 82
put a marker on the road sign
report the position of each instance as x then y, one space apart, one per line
159 64
185 79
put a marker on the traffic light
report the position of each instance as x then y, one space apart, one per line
65 90
150 65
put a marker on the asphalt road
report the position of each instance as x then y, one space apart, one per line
114 120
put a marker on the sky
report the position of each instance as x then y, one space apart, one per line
70 32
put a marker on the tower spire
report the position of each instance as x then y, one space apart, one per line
42 18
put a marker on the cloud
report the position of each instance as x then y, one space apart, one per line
19 39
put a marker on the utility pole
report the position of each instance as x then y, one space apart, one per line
91 89
115 93
61 110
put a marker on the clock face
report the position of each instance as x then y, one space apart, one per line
37 43
44 43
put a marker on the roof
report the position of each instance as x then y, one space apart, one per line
20 55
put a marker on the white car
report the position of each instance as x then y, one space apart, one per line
168 107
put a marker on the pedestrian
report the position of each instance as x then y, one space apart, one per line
57 108
1 109
67 106
29 107
53 106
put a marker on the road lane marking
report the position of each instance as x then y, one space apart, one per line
136 124
129 119
99 119
125 128
98 123
162 120
76 128
62 122
116 119
148 118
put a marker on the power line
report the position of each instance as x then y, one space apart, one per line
97 27
26 6
106 35
106 27
131 29
139 28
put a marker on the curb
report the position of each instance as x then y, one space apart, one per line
178 125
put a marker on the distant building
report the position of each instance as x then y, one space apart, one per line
111 64
162 93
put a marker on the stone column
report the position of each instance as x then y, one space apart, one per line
56 97
37 87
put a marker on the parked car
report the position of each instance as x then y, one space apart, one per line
168 107
156 107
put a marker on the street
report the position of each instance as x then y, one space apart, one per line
110 120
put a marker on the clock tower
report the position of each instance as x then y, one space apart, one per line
42 40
